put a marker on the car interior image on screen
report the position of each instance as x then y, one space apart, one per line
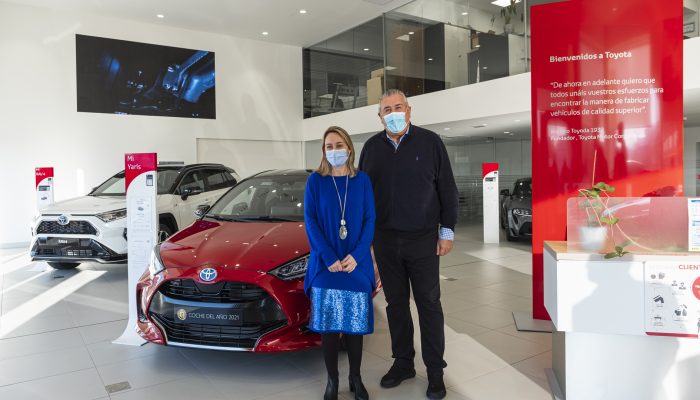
123 77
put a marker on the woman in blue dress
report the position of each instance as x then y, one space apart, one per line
339 215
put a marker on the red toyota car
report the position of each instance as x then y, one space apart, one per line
233 280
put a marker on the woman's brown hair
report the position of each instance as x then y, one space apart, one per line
326 169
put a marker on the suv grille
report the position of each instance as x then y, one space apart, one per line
220 292
72 228
244 336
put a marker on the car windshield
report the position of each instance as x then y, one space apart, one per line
263 198
115 186
523 189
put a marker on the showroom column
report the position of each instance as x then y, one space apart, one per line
607 106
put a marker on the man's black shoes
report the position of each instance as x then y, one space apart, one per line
396 375
436 387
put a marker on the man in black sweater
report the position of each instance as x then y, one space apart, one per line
416 201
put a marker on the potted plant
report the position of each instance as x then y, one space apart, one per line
508 12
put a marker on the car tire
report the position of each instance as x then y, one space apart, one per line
164 232
63 265
509 236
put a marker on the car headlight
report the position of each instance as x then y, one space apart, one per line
112 215
292 270
155 264
522 212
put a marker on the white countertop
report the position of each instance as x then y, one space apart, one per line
562 250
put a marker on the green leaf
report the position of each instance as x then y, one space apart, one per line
609 220
610 255
618 249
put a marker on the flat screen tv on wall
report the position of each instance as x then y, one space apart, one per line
122 77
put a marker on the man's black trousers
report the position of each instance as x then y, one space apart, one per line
408 261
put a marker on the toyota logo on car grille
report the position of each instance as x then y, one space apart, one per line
207 274
63 220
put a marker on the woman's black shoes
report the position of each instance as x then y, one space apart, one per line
331 390
358 388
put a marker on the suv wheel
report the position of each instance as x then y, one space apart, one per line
164 232
63 265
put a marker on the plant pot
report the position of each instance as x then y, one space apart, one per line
593 237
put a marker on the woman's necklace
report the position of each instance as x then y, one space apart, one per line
343 231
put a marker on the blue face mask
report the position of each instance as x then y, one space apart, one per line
395 122
337 158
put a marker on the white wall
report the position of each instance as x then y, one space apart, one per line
259 96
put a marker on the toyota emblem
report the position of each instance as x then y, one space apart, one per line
63 220
207 274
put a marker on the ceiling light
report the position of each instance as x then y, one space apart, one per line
430 59
161 16
503 3
506 132
411 33
685 118
479 126
265 33
486 67
302 11
517 120
365 49
446 129
465 13
405 38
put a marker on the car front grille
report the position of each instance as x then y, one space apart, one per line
239 337
220 292
72 228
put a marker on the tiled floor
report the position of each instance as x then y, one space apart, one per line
56 330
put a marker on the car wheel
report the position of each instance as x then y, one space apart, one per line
164 232
509 236
63 265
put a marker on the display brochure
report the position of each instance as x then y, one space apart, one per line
693 224
672 298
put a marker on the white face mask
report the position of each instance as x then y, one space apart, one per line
337 158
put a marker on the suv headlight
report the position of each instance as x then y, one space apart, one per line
155 264
112 215
522 212
292 270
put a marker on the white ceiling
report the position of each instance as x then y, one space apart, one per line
239 18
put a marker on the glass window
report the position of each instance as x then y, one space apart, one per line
114 186
216 179
268 197
192 180
166 179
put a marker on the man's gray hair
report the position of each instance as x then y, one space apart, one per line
392 92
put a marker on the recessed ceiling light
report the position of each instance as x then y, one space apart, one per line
160 16
479 126
446 129
302 11
506 132
430 59
411 33
265 33
517 120
486 67
465 13
365 49
503 3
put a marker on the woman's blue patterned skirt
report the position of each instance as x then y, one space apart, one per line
342 311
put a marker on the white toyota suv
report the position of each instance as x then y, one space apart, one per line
93 227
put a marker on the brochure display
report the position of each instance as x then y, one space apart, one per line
44 187
491 202
142 229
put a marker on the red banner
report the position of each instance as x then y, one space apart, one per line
607 105
42 173
138 163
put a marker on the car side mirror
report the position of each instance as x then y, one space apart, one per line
505 192
190 191
200 211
